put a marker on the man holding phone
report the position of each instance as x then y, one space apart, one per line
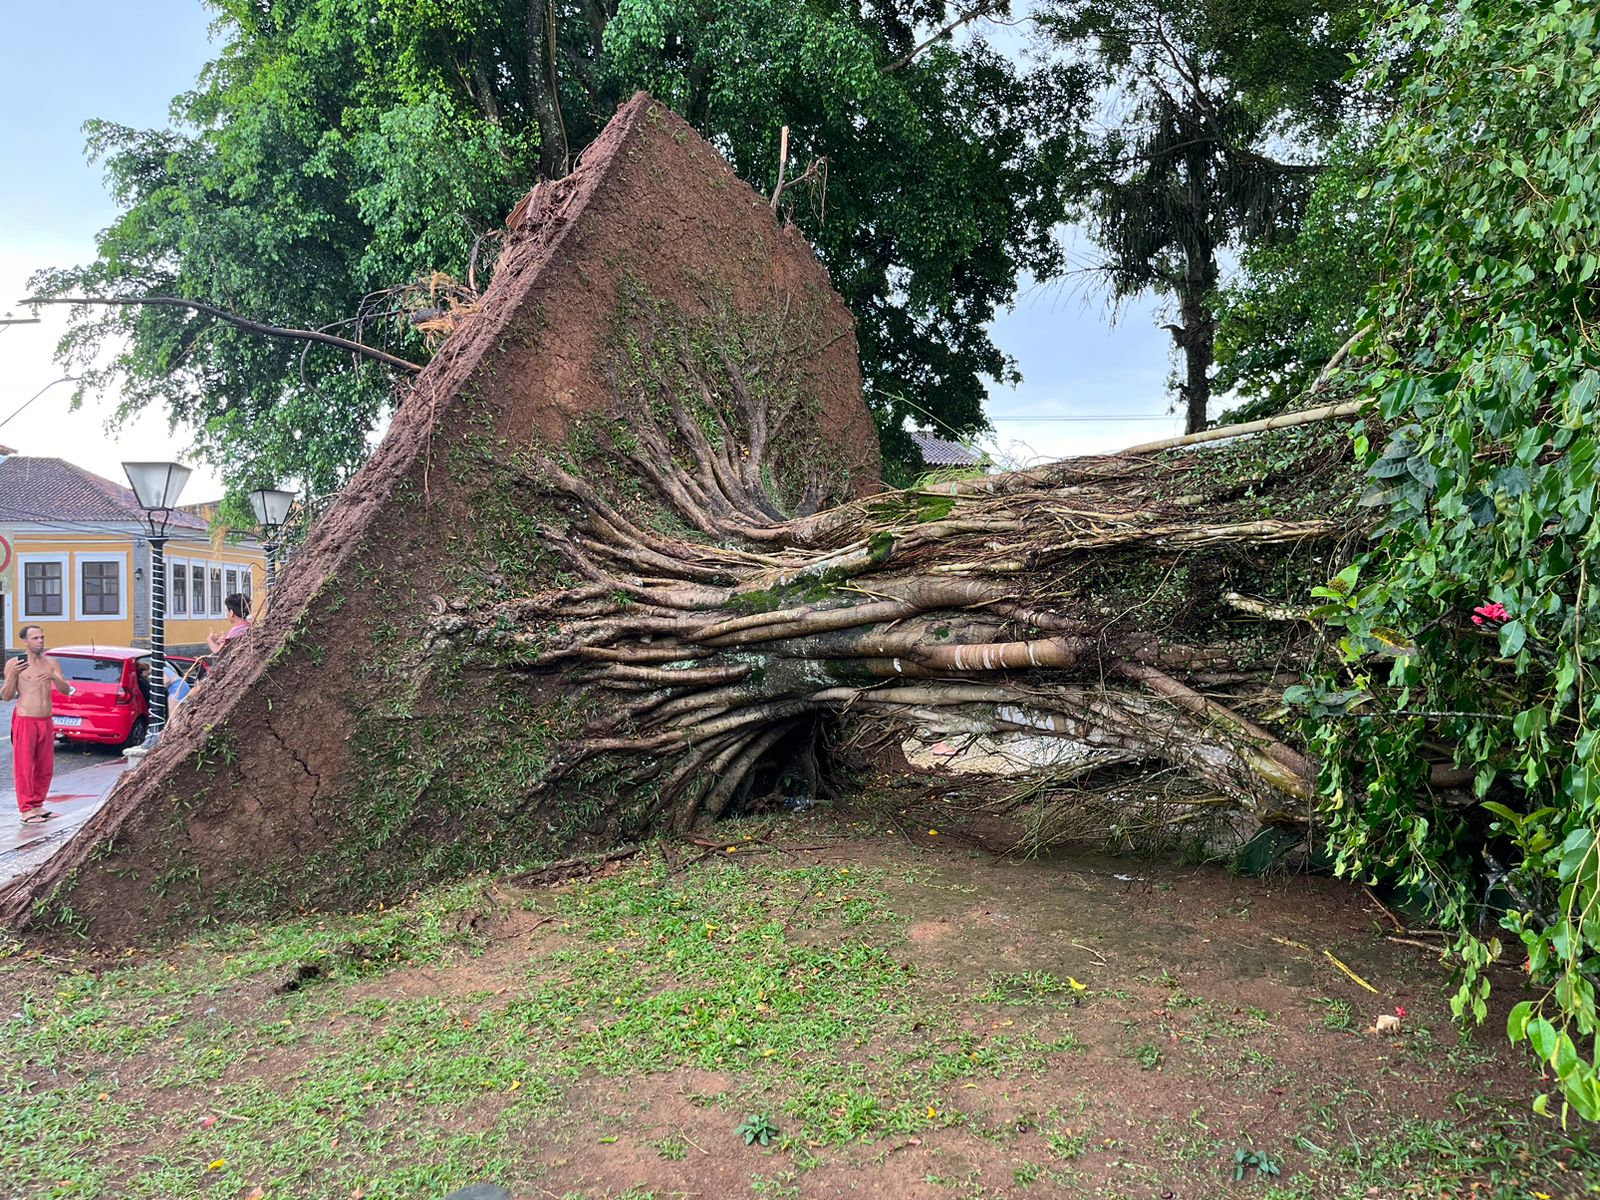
30 681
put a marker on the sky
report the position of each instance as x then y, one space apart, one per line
1088 385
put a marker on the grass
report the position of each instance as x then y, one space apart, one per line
1512 1158
1026 987
1337 1014
654 974
481 1032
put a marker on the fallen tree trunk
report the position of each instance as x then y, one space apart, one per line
619 565
703 669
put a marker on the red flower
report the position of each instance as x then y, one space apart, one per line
1400 1011
1494 611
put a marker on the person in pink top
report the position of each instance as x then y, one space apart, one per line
239 610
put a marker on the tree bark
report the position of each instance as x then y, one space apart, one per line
544 94
1195 339
1199 284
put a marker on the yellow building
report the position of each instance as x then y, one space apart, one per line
75 559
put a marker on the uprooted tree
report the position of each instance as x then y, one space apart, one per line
622 563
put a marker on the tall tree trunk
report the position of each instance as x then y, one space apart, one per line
544 94
1194 338
1199 283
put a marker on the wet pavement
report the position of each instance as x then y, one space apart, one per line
83 777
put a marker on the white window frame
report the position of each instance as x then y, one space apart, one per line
172 564
247 586
216 598
229 569
118 557
204 610
24 617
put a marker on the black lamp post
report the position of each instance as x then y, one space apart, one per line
272 510
157 486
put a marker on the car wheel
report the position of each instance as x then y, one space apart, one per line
136 733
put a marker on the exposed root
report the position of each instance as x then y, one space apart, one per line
972 608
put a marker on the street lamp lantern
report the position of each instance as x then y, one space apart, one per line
157 486
271 507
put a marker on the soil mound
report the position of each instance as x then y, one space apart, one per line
328 762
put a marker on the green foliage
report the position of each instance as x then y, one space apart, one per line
1295 303
326 154
757 1127
1263 1162
1486 370
337 149
1337 1014
939 187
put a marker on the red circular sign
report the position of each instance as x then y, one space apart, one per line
5 554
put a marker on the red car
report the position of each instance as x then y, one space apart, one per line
108 706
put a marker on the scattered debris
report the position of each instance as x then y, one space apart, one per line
1328 954
573 868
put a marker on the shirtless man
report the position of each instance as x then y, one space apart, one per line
33 737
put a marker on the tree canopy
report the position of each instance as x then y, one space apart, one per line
339 149
1295 302
1218 112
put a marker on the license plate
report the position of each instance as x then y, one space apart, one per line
69 722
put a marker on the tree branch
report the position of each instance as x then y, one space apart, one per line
966 18
304 335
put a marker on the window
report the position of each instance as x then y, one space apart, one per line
247 586
81 669
230 581
100 590
178 592
197 590
44 587
216 591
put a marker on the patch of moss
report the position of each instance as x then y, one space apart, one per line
807 590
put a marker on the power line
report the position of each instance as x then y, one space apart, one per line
33 518
1163 417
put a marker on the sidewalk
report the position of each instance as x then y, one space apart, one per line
74 798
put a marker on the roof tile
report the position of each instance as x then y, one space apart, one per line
52 489
942 452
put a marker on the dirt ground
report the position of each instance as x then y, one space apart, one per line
903 1014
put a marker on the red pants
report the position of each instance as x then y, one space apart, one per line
33 757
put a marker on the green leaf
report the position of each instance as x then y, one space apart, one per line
1392 643
1542 1037
1517 1020
1510 816
1512 636
1577 851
